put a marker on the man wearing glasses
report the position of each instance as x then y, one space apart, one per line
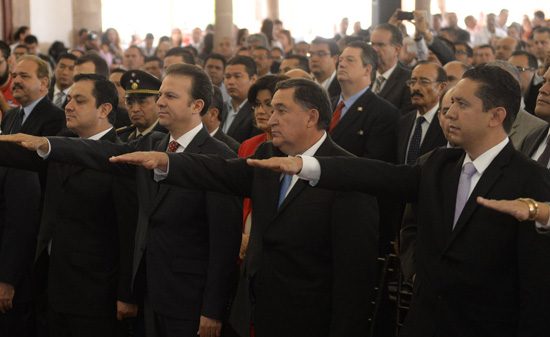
418 132
387 40
323 57
527 66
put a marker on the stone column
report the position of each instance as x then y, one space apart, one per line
272 9
423 5
86 14
223 26
21 10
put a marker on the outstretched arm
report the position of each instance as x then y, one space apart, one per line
521 209
29 142
150 160
288 165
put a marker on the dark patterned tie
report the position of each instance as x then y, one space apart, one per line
378 84
173 146
16 126
414 146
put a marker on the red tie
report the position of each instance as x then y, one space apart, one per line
173 146
336 117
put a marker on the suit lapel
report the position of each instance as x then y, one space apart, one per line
531 148
484 185
390 82
432 135
156 190
403 137
241 115
35 115
355 111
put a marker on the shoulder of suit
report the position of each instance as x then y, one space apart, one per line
125 129
216 146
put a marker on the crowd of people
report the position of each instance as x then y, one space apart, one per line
251 187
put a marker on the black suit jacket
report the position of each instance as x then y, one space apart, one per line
434 136
533 141
486 277
90 217
19 223
530 97
52 99
334 89
122 118
45 119
396 90
314 258
368 128
232 143
189 239
128 133
242 127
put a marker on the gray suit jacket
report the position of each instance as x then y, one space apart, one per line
524 125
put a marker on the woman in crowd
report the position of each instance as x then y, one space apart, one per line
110 44
259 95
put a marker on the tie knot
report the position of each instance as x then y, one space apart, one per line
420 120
341 105
173 146
469 169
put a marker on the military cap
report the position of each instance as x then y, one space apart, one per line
137 82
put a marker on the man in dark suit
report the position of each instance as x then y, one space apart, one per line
142 91
419 131
92 63
63 74
37 115
479 272
310 265
187 242
212 120
88 224
322 62
238 119
390 81
535 144
19 222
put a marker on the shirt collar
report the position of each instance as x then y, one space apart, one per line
56 90
101 134
350 101
146 131
312 150
388 72
326 83
188 137
29 108
429 115
482 162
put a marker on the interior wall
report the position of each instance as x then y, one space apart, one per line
51 21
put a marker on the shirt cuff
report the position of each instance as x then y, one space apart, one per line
311 170
42 154
544 227
159 174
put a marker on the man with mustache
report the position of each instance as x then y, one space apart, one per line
418 132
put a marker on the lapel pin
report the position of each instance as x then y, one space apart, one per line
360 133
360 108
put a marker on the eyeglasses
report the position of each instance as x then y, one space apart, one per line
379 44
423 82
320 54
265 106
521 69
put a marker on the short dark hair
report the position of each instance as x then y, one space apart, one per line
82 31
332 45
469 50
541 29
191 50
539 15
441 73
117 70
268 82
217 101
30 39
449 30
184 54
155 58
246 61
497 88
286 32
21 46
138 49
5 49
66 56
485 46
368 56
263 48
201 85
309 95
101 67
21 30
216 56
396 36
531 58
104 92
302 61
